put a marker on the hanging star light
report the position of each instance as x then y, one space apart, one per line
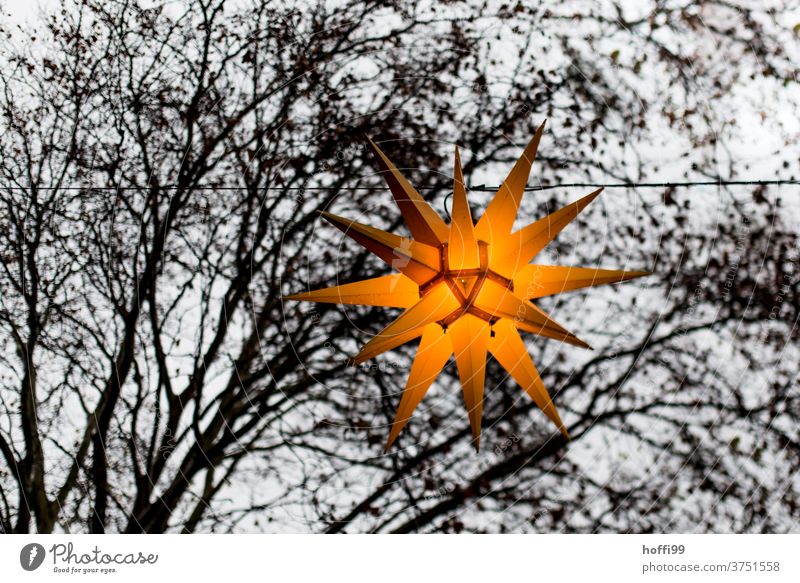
465 288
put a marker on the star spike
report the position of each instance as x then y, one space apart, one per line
425 224
432 355
437 304
386 343
389 291
498 220
565 335
469 337
418 261
519 248
510 352
498 301
462 246
539 281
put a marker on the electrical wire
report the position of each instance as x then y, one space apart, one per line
477 188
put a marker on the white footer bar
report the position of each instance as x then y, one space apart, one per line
406 559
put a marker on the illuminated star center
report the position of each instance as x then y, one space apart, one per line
466 288
466 285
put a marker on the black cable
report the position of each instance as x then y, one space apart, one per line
484 188
478 188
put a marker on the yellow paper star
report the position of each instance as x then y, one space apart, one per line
466 288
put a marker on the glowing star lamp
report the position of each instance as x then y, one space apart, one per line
466 288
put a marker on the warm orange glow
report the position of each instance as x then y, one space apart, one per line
466 287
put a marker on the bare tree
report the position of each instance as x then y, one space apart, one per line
160 175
